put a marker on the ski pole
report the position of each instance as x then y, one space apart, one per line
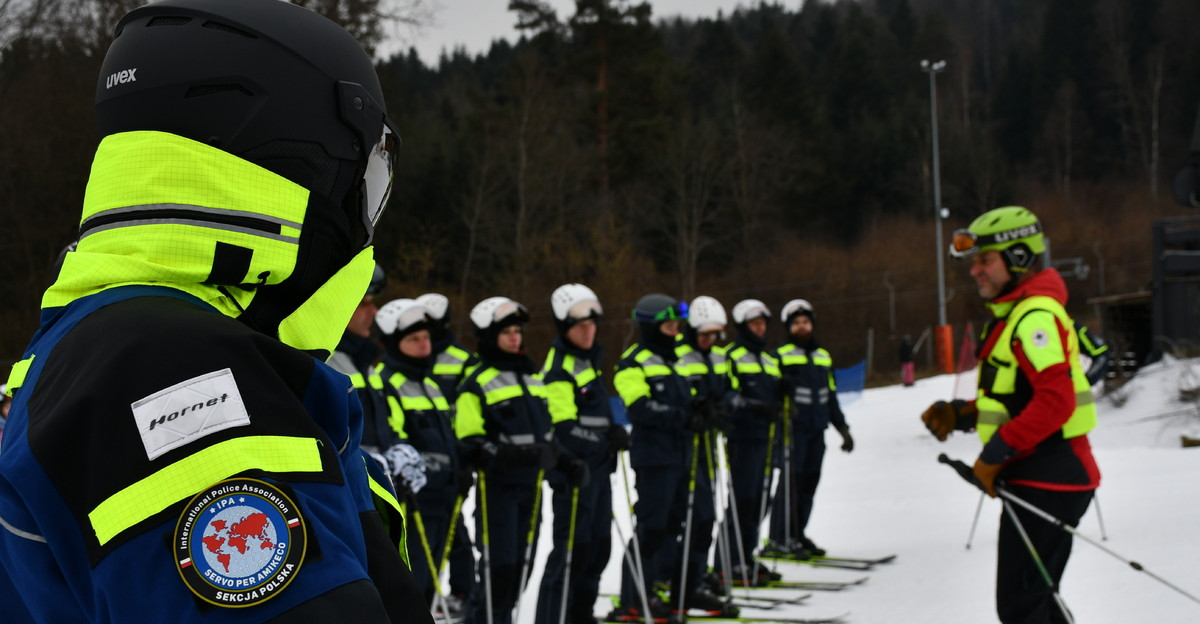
722 527
438 599
486 552
787 473
687 529
458 501
534 517
966 473
1037 560
1100 517
766 490
562 606
637 571
737 529
633 568
975 520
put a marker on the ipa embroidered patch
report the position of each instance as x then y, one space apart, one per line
188 411
239 543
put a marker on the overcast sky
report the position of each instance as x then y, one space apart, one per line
475 23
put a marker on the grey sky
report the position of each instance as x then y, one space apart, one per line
475 23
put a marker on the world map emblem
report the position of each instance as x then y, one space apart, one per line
239 543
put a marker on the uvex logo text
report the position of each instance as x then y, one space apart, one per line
121 77
1017 233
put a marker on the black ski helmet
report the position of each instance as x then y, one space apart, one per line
274 84
268 81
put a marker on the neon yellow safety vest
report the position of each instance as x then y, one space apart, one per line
1032 320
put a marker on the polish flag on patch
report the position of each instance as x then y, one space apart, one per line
186 563
293 522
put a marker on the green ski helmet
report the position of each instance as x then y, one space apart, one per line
1012 230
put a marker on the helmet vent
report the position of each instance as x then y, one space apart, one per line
229 29
204 90
168 21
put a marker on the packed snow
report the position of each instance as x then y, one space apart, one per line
891 496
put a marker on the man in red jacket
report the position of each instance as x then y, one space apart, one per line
1033 409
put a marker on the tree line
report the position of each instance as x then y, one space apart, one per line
772 152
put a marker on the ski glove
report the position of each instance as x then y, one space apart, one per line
480 453
537 455
941 418
847 441
986 473
407 467
574 468
618 437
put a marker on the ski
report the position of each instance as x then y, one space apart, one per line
767 602
772 620
815 585
817 562
872 561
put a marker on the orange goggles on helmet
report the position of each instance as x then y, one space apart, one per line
965 243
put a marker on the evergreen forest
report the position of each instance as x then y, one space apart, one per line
779 151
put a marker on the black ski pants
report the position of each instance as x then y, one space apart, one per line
1022 594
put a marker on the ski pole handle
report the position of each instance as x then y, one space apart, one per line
962 469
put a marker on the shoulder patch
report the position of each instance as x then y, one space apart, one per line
239 543
188 411
1039 338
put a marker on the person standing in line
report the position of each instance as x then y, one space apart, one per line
1033 409
175 401
504 424
422 422
753 427
907 367
807 370
704 364
449 363
583 424
658 401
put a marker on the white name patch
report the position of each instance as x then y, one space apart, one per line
188 411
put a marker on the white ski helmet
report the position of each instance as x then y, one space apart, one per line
706 314
794 308
747 310
573 302
437 304
400 317
493 311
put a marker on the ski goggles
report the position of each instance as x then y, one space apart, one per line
677 312
965 243
585 310
517 312
378 176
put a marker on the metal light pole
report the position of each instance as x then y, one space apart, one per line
932 69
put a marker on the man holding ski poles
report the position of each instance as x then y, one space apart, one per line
1033 411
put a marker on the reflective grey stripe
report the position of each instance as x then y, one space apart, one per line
530 380
596 422
823 395
1084 398
993 418
805 392
518 439
33 537
501 381
219 212
692 357
411 389
208 224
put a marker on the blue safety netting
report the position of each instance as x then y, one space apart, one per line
850 382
